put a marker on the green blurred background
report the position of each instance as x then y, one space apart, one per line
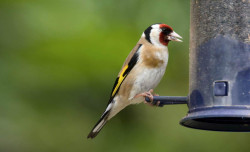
58 62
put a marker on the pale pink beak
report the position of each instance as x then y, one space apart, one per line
174 37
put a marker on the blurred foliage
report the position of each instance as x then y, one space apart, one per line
58 62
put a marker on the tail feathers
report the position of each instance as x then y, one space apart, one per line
99 125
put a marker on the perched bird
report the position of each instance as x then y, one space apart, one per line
141 72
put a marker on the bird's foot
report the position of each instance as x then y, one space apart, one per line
150 95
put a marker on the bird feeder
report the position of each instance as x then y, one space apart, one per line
219 69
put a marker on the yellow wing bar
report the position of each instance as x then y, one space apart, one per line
120 79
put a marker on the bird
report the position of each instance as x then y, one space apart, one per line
141 72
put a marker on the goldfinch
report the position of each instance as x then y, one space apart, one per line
141 72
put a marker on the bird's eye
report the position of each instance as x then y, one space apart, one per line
166 31
163 29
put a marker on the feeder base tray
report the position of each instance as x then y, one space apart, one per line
221 118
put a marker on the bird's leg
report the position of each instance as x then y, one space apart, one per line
150 95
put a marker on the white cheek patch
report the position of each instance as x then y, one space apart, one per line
155 35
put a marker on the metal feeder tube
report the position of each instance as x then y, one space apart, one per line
219 70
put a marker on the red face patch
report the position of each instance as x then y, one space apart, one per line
166 29
166 26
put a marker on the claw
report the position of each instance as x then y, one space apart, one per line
150 95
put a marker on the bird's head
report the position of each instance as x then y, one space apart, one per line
161 34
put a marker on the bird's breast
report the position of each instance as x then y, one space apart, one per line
149 78
148 75
154 58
